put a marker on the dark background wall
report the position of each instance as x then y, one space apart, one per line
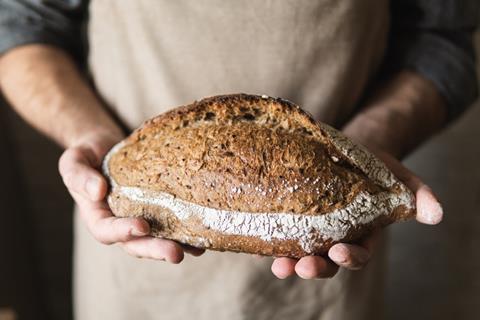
434 272
35 224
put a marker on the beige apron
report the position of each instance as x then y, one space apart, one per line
148 56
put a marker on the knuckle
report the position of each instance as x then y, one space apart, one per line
75 152
63 163
171 249
167 246
163 249
68 155
117 226
68 179
124 237
103 239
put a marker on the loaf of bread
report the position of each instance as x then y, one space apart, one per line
251 174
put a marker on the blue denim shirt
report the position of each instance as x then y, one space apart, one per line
432 37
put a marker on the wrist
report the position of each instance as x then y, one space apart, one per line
99 140
385 128
401 113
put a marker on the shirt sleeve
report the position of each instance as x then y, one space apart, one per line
435 38
53 22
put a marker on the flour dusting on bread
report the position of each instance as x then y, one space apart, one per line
252 174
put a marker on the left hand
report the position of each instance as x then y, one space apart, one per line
356 256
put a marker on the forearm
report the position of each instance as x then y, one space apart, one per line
400 114
44 86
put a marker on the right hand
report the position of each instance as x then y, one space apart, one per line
78 167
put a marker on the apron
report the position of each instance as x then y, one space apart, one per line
149 56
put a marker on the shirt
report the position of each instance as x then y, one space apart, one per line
434 38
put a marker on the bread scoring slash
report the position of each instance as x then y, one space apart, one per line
251 174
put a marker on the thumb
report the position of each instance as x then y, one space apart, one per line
76 166
429 209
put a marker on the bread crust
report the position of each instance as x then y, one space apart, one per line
251 174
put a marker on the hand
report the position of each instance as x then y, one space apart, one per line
78 167
356 256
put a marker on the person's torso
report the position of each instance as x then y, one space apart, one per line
148 56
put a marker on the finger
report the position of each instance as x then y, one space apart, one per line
106 228
112 229
283 267
352 257
314 267
79 175
87 186
196 252
154 248
429 209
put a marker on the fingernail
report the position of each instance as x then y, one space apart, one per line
338 253
436 213
138 233
92 186
431 212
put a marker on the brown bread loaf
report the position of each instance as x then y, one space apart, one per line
251 174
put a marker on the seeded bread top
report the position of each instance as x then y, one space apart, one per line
245 153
